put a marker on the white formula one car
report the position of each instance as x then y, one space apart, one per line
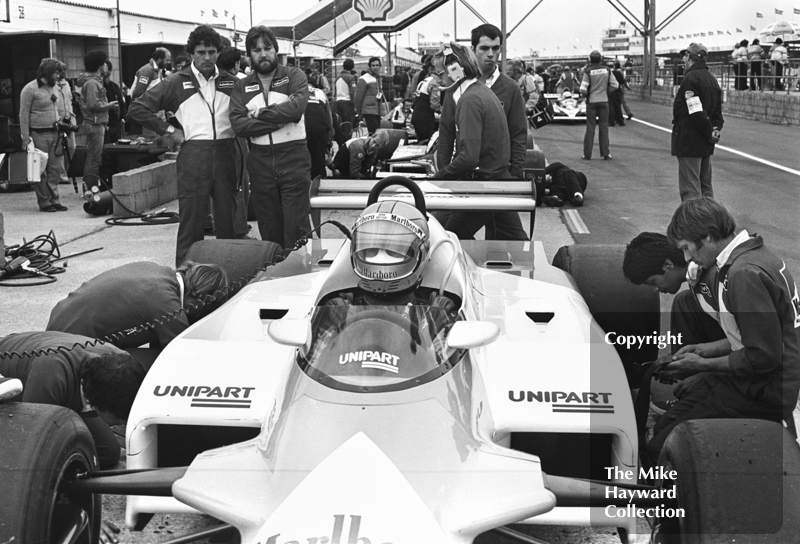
293 421
567 107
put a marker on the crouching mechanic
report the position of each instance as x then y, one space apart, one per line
131 303
98 382
565 185
388 252
356 158
756 372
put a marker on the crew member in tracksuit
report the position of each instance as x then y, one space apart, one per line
319 129
267 107
426 104
696 124
200 97
756 373
357 156
150 75
596 83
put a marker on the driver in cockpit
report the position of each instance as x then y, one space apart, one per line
388 252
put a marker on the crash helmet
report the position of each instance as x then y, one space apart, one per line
566 94
390 247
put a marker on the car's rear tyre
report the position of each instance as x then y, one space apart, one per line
738 480
40 447
241 259
618 305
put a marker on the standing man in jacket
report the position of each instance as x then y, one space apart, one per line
369 95
40 108
345 93
596 83
95 107
696 124
267 107
487 40
482 146
755 371
200 97
115 116
152 73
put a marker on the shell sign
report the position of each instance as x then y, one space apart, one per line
373 10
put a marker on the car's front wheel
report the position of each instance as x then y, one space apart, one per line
42 446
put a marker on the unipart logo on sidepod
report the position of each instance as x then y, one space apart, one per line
567 401
335 537
206 396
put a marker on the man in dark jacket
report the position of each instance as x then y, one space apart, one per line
565 185
200 97
115 116
99 382
755 371
141 302
696 124
95 107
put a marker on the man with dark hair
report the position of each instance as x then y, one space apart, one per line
40 108
596 82
369 95
95 107
200 98
615 98
482 145
141 302
345 94
229 61
487 41
755 371
696 124
115 116
98 382
355 159
267 107
152 73
564 185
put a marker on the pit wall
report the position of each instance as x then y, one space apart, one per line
772 107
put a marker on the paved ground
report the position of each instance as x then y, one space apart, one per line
755 174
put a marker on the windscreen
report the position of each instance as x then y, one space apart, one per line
378 348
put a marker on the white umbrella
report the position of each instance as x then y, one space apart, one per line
780 29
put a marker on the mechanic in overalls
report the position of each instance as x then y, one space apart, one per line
755 371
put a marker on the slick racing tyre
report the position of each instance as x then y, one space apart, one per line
241 259
42 446
738 480
617 305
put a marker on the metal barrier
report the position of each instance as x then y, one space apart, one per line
727 74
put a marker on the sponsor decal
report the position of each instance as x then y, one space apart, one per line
567 401
688 94
144 80
206 396
188 85
225 85
279 82
376 274
337 532
251 88
371 359
410 225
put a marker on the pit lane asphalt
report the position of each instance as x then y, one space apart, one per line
635 191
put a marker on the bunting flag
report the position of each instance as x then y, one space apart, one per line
778 11
729 32
681 37
574 46
202 13
738 30
702 34
226 13
214 13
752 27
759 16
720 32
796 11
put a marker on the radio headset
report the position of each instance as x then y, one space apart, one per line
208 299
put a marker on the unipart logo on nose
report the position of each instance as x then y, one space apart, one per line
335 537
372 359
206 396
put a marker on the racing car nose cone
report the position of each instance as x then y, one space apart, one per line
356 489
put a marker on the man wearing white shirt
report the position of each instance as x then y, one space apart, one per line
200 97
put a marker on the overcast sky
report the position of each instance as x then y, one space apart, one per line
551 29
